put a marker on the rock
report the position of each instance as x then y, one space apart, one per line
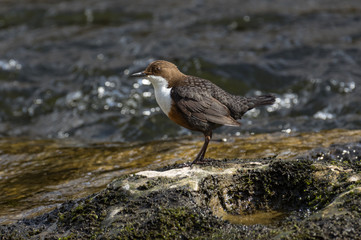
301 198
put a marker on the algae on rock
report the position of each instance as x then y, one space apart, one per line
303 198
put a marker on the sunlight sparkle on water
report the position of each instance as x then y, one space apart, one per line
287 100
10 65
323 115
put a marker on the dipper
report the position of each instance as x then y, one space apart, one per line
196 103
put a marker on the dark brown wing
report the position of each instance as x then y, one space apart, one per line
195 103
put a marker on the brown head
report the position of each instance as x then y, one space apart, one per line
164 69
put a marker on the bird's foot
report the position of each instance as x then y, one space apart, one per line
200 162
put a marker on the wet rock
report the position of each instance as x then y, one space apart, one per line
38 175
301 198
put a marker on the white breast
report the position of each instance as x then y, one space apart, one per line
162 92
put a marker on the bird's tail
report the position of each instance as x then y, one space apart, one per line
263 100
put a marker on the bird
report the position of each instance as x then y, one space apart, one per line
196 103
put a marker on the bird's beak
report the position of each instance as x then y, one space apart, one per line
139 74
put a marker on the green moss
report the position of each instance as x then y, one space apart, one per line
169 223
69 237
61 217
283 186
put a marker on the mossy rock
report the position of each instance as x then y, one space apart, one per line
304 198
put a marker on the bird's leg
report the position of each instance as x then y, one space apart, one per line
202 152
207 139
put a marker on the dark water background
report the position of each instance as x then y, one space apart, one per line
64 65
64 74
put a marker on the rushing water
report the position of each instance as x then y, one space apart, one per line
64 66
64 74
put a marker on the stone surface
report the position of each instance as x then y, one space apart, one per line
316 196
